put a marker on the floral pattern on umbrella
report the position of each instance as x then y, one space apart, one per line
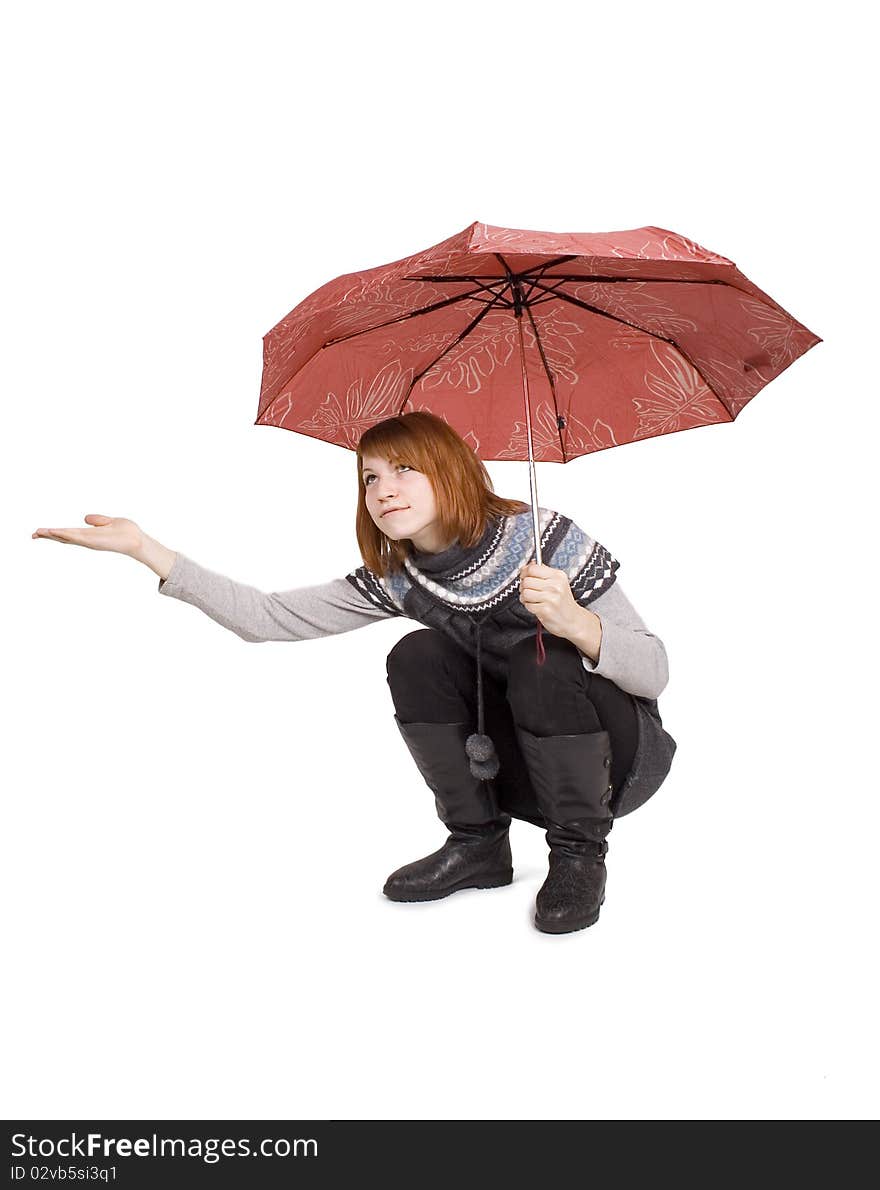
679 397
364 404
621 336
577 438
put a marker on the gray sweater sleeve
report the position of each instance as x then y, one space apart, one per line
631 656
299 614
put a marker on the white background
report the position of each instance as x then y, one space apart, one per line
197 830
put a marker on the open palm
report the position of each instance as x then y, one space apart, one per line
104 533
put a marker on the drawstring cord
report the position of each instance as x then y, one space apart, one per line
480 725
479 747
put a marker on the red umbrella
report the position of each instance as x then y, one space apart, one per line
532 345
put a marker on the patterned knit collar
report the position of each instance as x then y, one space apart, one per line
457 559
485 578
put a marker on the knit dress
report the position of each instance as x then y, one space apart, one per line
472 595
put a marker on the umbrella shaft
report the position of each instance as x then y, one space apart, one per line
533 487
533 483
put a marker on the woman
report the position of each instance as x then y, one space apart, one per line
563 732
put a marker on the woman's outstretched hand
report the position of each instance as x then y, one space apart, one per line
117 534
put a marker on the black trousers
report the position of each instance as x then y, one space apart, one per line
433 680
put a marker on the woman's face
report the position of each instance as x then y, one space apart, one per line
401 502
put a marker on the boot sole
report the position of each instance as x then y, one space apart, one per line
434 895
559 927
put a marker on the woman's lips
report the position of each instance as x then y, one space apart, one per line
391 511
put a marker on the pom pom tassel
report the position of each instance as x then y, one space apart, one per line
482 755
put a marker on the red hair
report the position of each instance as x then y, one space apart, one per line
462 486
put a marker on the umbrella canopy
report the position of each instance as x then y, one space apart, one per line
627 335
532 345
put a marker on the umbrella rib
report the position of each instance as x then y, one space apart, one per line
458 277
533 286
367 329
460 297
418 375
665 338
635 280
763 301
495 293
509 274
502 281
551 380
532 277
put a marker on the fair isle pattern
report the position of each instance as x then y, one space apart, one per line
481 561
493 581
494 584
595 577
591 569
373 588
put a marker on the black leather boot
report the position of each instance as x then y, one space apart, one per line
571 778
477 852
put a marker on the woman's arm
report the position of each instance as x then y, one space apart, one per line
607 630
155 555
620 647
302 613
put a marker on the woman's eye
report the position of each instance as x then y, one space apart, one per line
367 478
